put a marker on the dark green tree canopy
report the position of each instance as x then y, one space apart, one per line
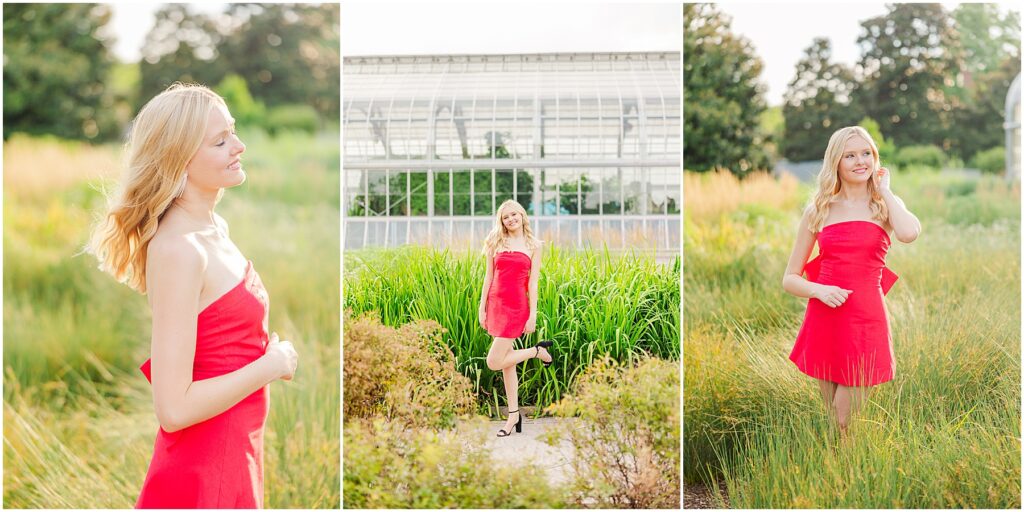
56 64
286 53
909 61
817 102
722 98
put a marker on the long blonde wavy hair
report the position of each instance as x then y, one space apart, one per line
829 183
498 238
164 137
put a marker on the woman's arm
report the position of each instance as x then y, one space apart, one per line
905 225
488 274
793 281
174 277
531 322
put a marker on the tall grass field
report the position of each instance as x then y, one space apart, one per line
590 303
945 433
78 416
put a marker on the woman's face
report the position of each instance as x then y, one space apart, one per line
512 220
217 163
857 161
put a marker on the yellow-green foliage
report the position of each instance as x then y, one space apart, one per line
389 466
944 434
79 423
406 375
626 439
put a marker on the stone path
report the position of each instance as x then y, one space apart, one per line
531 445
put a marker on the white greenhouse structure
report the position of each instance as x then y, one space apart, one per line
588 143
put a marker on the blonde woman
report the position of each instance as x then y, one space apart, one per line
211 355
508 304
844 342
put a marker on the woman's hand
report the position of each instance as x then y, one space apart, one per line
883 178
831 296
282 357
483 317
531 324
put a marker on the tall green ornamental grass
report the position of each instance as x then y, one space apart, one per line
944 434
78 414
590 303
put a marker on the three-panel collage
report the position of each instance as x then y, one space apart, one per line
512 255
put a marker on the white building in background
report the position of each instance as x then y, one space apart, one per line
588 143
1011 125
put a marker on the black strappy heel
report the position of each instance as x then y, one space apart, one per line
546 344
519 425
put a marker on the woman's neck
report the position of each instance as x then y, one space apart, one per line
198 205
853 192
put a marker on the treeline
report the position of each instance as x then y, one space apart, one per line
277 65
929 81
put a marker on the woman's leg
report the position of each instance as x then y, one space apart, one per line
847 401
512 395
828 393
502 356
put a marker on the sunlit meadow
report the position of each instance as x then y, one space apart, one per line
78 416
944 434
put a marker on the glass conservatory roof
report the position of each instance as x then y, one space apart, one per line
600 108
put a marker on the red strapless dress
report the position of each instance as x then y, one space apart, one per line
508 303
218 463
849 345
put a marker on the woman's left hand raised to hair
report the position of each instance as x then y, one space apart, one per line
883 178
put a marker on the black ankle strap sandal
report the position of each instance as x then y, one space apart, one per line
518 425
546 344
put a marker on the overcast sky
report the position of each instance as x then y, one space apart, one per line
780 32
131 21
513 27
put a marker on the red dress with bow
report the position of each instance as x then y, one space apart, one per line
851 344
217 463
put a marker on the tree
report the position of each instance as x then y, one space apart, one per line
816 103
909 60
721 94
56 65
983 110
287 54
181 47
991 45
986 35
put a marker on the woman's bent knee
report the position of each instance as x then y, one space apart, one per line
494 363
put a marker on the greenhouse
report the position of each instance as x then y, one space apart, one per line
1011 126
588 143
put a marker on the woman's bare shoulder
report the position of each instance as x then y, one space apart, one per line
174 249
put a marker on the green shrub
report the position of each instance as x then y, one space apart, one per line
992 160
296 118
406 375
626 439
929 156
245 110
886 148
388 466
